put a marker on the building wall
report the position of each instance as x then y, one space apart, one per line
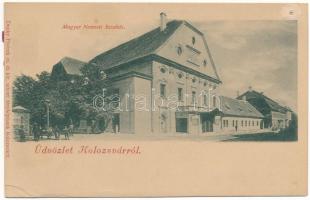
126 111
142 111
244 123
193 55
166 107
278 119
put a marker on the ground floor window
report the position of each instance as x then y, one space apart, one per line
225 123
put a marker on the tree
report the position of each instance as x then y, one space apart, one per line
70 99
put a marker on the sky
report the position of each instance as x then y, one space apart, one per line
257 54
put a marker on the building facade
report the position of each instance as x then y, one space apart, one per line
276 116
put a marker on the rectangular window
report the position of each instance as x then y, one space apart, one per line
180 94
162 90
242 123
252 123
214 101
193 97
257 123
246 123
233 124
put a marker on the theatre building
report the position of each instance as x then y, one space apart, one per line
171 63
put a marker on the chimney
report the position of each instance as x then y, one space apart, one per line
250 88
163 21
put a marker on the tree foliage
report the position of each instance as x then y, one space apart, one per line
70 100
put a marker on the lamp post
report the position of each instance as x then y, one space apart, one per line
47 102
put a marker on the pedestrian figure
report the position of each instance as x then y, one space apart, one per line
236 127
49 132
35 131
93 126
21 133
40 132
71 129
66 132
56 132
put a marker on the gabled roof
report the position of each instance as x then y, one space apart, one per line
143 45
235 107
72 66
271 103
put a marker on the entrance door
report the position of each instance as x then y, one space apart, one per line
116 123
181 125
207 124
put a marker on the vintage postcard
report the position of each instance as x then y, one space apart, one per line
153 100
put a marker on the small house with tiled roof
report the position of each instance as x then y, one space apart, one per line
276 116
239 115
67 68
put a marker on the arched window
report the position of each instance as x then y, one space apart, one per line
205 62
205 100
179 50
193 40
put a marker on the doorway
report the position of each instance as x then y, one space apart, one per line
116 123
207 123
181 125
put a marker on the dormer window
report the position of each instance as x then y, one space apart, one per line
162 70
194 80
180 75
193 40
205 62
179 50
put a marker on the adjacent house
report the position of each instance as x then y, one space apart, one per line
276 116
21 119
66 69
238 115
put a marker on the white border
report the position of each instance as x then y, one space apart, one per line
136 1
